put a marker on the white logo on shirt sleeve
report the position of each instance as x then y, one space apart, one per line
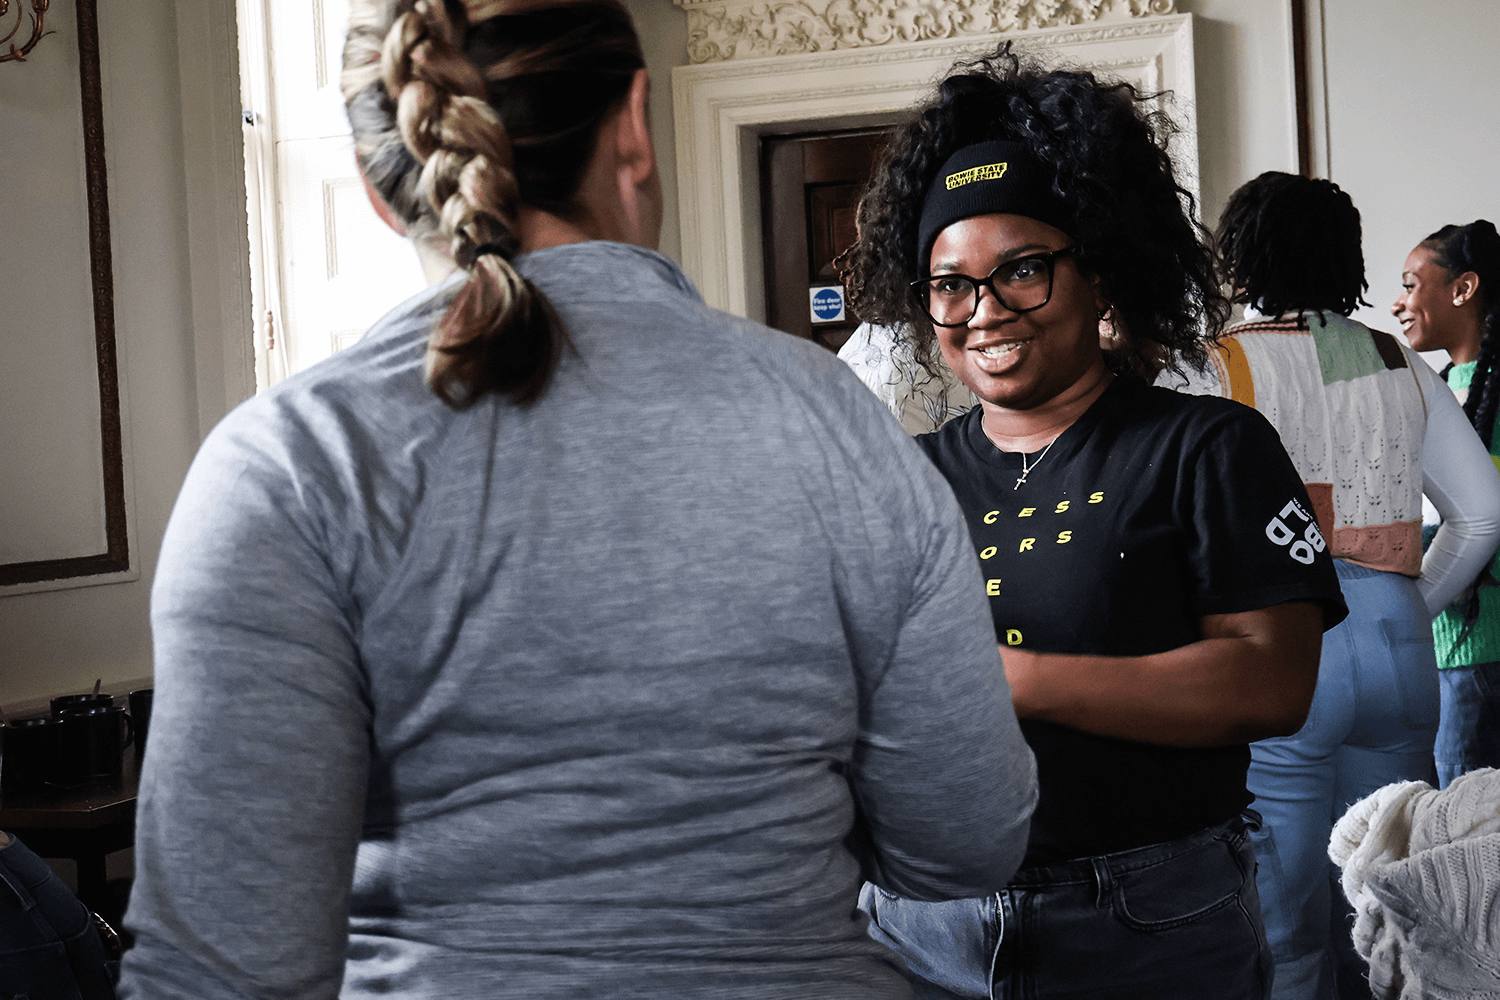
1304 549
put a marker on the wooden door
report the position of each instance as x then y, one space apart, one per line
810 186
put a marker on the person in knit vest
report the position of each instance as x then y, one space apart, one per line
1370 428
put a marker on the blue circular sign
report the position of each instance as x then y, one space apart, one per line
827 303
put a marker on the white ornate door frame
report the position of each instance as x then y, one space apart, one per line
722 109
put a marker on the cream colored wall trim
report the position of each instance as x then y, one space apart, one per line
1317 91
746 29
722 109
217 229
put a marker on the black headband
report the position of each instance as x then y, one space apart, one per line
989 177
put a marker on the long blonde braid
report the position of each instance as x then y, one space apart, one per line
500 334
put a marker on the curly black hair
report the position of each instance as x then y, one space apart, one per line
1292 243
1107 147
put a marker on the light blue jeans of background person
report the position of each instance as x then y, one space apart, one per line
1173 921
1373 721
1469 734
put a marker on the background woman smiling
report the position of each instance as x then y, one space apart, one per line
1154 574
1450 301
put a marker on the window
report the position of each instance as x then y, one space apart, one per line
324 267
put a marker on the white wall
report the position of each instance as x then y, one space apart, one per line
1412 96
662 27
63 640
1247 120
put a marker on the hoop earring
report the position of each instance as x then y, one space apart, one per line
1107 329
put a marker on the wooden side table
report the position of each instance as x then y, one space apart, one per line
83 823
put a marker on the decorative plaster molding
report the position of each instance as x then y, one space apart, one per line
720 30
946 49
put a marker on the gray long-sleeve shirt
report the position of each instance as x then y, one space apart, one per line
576 699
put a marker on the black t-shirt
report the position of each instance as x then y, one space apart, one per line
1154 509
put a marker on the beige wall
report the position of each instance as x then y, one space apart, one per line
1413 90
1246 102
663 30
63 640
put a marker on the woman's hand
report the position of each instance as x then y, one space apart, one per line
1024 671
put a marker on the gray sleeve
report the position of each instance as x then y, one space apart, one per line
943 778
253 790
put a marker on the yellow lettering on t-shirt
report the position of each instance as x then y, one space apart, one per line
1096 497
1012 637
992 587
1026 544
1064 537
1026 512
991 516
988 553
1062 506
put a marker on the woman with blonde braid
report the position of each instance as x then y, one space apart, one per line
1450 301
564 637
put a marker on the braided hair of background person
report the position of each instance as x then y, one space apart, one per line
1457 250
461 112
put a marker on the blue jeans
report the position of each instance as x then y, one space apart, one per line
49 947
1171 921
1373 721
1468 736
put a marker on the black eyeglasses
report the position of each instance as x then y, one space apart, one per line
1019 285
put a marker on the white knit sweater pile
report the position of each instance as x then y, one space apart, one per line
1422 870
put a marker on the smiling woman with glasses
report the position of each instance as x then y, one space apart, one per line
1155 576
